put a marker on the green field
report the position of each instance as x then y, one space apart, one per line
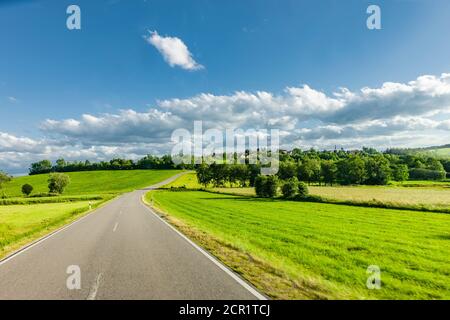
92 182
23 219
315 250
20 224
423 195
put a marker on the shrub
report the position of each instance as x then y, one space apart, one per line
290 188
266 186
302 190
260 182
426 174
271 186
57 182
27 189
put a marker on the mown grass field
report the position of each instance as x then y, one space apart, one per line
315 250
23 219
20 224
92 182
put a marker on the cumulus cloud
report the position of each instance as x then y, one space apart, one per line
174 51
416 113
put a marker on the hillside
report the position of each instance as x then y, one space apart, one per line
92 182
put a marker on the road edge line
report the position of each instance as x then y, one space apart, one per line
208 255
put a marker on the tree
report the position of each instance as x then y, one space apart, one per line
435 164
57 182
203 175
378 171
328 169
351 170
44 166
290 188
287 170
400 172
4 177
309 170
61 163
27 189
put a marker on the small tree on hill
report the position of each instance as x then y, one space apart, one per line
57 182
3 179
27 189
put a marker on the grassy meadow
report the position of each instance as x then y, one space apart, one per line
424 195
315 250
20 224
92 182
23 219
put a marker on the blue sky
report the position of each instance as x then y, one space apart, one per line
50 72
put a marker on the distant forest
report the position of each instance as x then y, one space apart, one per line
366 166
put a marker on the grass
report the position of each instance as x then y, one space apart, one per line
92 182
427 197
23 219
313 250
20 224
439 198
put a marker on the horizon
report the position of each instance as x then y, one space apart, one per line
119 86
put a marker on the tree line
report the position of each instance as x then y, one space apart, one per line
363 167
366 166
148 162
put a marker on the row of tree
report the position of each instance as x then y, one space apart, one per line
148 162
366 166
362 167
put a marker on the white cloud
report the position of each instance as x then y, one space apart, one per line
13 99
416 113
174 51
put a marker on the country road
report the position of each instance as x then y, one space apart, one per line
123 251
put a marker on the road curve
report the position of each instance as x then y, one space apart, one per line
123 251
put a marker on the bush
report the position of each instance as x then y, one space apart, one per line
57 182
27 189
271 186
260 182
266 186
302 190
290 188
426 174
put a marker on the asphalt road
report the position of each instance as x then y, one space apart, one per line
123 251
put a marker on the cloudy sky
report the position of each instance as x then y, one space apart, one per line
138 70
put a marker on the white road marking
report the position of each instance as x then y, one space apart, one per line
95 286
233 275
115 227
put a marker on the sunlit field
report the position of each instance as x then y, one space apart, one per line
314 250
